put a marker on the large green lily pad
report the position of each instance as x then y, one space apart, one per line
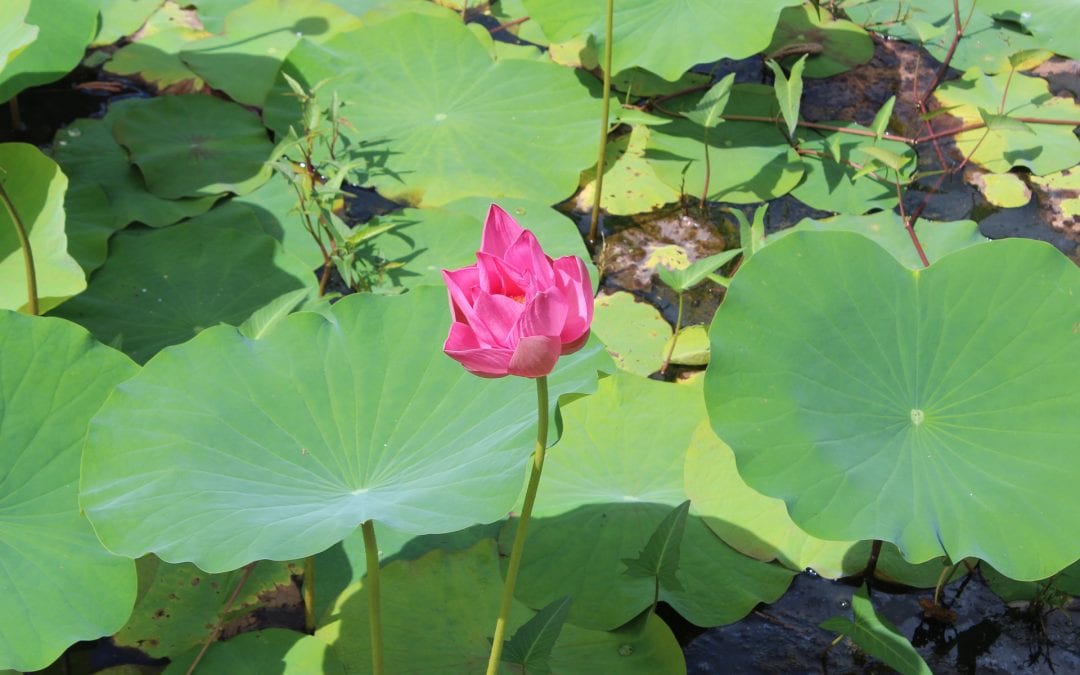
437 125
58 585
15 33
309 431
633 332
462 589
1042 148
630 181
35 187
195 146
153 54
273 650
750 161
835 45
859 392
617 472
160 287
89 155
666 38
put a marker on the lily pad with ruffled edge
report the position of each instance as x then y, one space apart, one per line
750 161
665 38
34 190
437 125
617 472
56 578
152 54
160 287
1041 148
90 156
324 423
463 589
194 146
852 388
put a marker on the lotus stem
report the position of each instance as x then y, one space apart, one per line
309 594
605 108
523 525
674 336
28 253
371 553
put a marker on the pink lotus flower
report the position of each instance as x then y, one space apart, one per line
516 310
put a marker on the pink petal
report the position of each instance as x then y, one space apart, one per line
535 356
462 285
462 346
571 347
500 230
496 316
526 255
573 283
544 315
499 278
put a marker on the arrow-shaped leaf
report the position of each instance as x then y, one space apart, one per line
660 557
789 91
1004 123
531 645
881 119
688 277
707 111
877 637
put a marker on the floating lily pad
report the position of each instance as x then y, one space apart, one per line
630 181
274 650
463 589
834 185
834 45
89 155
848 386
633 332
1006 190
90 223
161 287
421 114
1046 149
256 37
310 431
1062 196
665 38
1054 23
887 230
55 577
692 347
180 604
602 496
64 30
751 161
1056 588
153 55
35 187
194 146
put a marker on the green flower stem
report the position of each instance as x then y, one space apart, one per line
309 594
606 106
523 525
28 254
371 551
674 336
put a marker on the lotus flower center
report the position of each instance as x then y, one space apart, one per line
519 298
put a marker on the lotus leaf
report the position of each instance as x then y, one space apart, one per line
58 585
309 431
420 113
876 411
